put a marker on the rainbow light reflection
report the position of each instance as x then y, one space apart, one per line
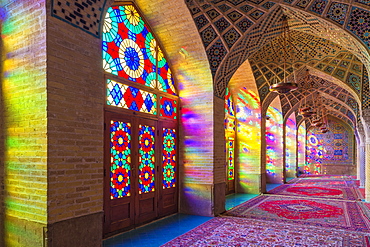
248 114
274 144
291 146
302 147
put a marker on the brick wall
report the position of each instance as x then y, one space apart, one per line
75 122
23 115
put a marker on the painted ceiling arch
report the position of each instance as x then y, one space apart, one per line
233 30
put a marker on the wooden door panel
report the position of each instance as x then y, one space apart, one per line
147 168
119 196
168 200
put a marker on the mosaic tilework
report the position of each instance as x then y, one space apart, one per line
208 35
222 24
231 37
85 15
318 6
366 91
244 24
256 14
246 8
201 21
358 24
337 12
216 54
234 16
302 3
213 13
365 2
355 82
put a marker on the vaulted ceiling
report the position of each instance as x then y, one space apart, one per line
328 48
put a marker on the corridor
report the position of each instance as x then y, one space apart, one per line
312 210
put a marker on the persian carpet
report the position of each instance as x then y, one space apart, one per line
325 176
324 182
230 231
315 191
338 214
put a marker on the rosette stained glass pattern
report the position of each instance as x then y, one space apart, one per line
230 151
127 50
146 159
168 108
229 104
120 156
131 98
131 51
169 158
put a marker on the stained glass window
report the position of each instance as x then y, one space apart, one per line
168 108
290 146
131 51
120 156
230 152
169 158
131 98
230 123
146 159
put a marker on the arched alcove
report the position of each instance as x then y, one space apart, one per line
291 146
274 143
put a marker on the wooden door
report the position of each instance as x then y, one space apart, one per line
168 170
119 173
147 155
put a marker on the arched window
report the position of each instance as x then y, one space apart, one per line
230 125
141 122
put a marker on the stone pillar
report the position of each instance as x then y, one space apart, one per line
367 171
361 165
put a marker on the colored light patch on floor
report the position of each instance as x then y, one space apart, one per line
336 214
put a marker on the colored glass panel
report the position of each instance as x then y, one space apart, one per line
169 158
129 49
168 108
230 152
291 146
165 80
146 159
301 145
131 98
120 156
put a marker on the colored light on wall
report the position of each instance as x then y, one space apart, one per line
315 151
291 146
274 143
301 145
248 114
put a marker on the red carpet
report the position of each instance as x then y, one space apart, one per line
230 231
315 191
309 211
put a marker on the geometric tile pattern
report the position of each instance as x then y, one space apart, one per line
318 6
358 24
337 12
85 15
365 91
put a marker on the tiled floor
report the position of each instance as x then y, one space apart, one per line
156 233
162 231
